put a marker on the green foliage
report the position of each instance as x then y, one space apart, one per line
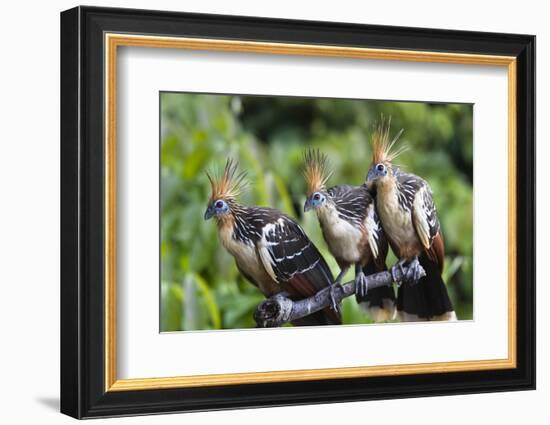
200 285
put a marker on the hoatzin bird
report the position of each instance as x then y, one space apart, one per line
270 249
352 231
408 214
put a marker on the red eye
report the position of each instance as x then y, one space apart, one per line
316 196
219 204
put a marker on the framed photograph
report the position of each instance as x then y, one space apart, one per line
261 212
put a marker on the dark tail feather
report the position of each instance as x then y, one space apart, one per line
379 302
326 316
428 299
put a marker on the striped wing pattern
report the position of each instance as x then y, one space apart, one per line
355 205
415 196
377 238
294 261
291 254
351 202
425 218
283 247
407 187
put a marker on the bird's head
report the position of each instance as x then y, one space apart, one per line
378 172
217 208
316 173
225 190
383 153
315 200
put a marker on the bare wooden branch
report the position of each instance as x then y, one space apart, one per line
279 309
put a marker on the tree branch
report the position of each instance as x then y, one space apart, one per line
280 309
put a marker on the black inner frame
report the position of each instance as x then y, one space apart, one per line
82 206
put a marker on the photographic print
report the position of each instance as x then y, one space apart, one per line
359 211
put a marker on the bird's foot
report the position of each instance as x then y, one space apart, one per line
332 296
414 272
400 264
361 286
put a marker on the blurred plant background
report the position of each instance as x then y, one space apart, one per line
200 285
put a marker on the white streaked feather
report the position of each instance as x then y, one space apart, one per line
296 254
265 258
302 271
263 245
420 217
372 230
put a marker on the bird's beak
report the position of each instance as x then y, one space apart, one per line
307 205
209 213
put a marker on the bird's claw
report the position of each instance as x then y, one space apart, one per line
332 296
361 287
414 272
400 264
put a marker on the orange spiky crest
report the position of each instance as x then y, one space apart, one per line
316 170
382 147
229 185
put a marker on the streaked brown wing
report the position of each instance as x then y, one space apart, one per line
289 255
426 225
436 252
380 261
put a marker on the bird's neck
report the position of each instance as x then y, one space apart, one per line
225 222
235 226
386 191
327 213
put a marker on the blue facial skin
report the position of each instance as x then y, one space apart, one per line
376 172
216 208
316 200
